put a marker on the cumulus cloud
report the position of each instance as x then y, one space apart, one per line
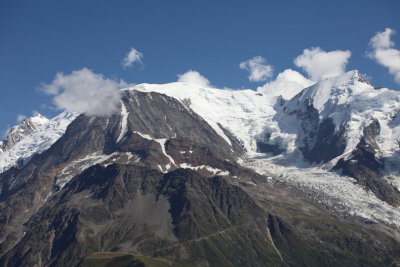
287 84
320 64
131 57
84 91
259 70
382 51
194 77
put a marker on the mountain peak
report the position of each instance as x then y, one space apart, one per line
38 118
345 79
339 90
355 75
19 132
351 104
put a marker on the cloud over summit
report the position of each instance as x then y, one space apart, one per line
194 77
84 91
319 64
287 84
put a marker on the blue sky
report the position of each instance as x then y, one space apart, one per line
40 38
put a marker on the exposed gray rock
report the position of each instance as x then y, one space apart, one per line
366 168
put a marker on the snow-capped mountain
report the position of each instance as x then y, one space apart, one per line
19 132
324 125
345 105
33 136
182 169
346 124
348 102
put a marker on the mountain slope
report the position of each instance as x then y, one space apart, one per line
330 124
245 113
91 140
187 218
158 180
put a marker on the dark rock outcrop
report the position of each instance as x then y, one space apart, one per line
366 168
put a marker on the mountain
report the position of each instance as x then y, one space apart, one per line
349 125
342 123
19 132
40 136
201 176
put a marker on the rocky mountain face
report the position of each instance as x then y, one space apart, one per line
19 132
164 179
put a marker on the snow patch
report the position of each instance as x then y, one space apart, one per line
145 136
214 171
124 122
77 166
162 144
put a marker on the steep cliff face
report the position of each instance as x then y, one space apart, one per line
158 180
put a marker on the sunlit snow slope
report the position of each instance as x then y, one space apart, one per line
19 132
36 142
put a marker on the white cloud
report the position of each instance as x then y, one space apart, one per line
85 92
320 64
381 40
194 77
20 118
131 57
383 52
287 84
259 70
